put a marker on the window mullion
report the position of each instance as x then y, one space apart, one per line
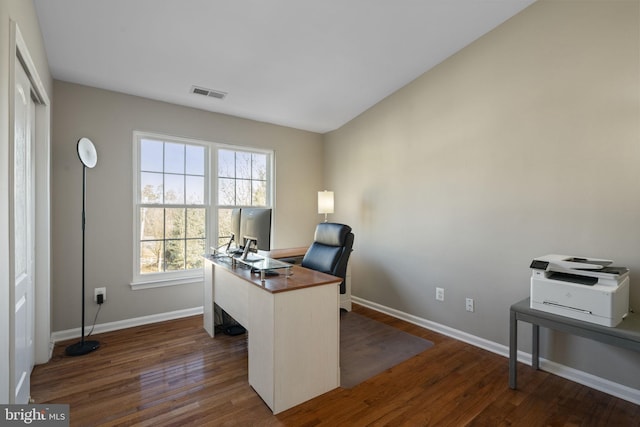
164 239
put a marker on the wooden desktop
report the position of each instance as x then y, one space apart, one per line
295 255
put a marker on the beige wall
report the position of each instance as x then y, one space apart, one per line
109 119
525 143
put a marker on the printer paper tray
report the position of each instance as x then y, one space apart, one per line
574 313
580 310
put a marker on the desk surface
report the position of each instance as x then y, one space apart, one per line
628 329
300 277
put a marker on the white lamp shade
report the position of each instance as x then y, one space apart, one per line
325 202
87 152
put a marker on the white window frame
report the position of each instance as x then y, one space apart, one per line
215 206
172 278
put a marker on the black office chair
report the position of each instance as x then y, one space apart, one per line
329 253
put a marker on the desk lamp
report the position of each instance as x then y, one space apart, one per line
325 203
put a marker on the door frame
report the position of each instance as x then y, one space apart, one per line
18 51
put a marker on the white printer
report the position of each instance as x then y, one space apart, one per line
586 289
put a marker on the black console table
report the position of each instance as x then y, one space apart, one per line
626 334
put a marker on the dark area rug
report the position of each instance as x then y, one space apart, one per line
368 347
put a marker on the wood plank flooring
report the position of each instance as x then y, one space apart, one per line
173 374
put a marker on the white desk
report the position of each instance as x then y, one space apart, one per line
293 326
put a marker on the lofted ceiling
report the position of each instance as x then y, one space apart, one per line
311 65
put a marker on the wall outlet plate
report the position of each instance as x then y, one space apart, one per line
469 304
99 291
440 294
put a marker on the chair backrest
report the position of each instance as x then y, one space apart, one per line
329 253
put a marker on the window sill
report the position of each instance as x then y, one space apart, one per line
163 282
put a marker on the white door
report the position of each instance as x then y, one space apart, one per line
23 226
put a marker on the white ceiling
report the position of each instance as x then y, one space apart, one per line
310 65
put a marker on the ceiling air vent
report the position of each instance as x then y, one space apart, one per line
208 92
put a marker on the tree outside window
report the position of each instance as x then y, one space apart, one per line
172 209
242 182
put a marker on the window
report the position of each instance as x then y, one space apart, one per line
174 222
172 206
243 181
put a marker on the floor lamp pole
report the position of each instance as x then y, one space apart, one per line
83 347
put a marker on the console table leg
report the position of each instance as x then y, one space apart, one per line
513 350
535 355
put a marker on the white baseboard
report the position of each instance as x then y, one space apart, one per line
597 383
128 323
618 390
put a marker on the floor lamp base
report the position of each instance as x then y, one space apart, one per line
82 347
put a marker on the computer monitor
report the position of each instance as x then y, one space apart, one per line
235 226
231 240
226 246
249 241
256 222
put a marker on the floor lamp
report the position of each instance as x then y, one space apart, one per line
89 157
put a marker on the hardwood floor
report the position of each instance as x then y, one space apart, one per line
173 374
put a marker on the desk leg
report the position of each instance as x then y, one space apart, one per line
513 350
535 345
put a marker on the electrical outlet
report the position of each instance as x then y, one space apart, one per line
469 304
99 291
440 294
